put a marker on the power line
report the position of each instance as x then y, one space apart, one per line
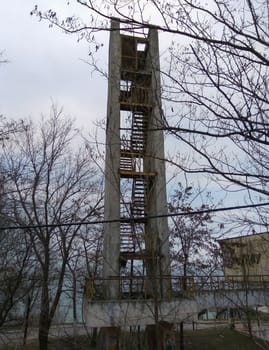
136 219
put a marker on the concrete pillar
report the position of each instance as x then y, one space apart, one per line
161 336
109 339
157 228
111 250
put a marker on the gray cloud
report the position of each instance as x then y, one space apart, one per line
46 64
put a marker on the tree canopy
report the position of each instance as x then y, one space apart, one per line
214 81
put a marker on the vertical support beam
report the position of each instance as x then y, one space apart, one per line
161 336
168 336
157 228
109 338
111 251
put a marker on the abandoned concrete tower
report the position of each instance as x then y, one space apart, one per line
135 186
135 288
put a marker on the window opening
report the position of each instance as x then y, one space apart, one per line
141 46
125 85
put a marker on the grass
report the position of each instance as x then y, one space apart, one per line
221 339
206 339
65 343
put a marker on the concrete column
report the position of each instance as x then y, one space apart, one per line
109 338
157 199
161 336
111 250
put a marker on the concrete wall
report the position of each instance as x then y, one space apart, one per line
139 312
246 257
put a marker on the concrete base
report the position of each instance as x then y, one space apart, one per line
122 313
161 336
109 338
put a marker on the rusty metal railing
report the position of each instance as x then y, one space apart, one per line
142 287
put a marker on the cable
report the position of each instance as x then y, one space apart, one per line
136 219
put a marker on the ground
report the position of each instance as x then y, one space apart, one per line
221 339
205 339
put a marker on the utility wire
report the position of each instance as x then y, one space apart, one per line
136 219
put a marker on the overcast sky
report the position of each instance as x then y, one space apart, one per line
45 64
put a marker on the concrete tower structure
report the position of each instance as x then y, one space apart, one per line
135 186
135 288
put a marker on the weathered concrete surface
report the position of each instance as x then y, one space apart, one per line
232 298
112 178
121 313
141 312
134 87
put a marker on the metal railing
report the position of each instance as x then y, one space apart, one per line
136 95
142 287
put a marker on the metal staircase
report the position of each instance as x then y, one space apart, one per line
135 99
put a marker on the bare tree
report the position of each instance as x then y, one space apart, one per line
220 87
53 189
192 245
84 266
16 266
215 80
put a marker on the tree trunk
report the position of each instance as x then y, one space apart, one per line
43 336
44 319
184 284
26 319
75 321
181 335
